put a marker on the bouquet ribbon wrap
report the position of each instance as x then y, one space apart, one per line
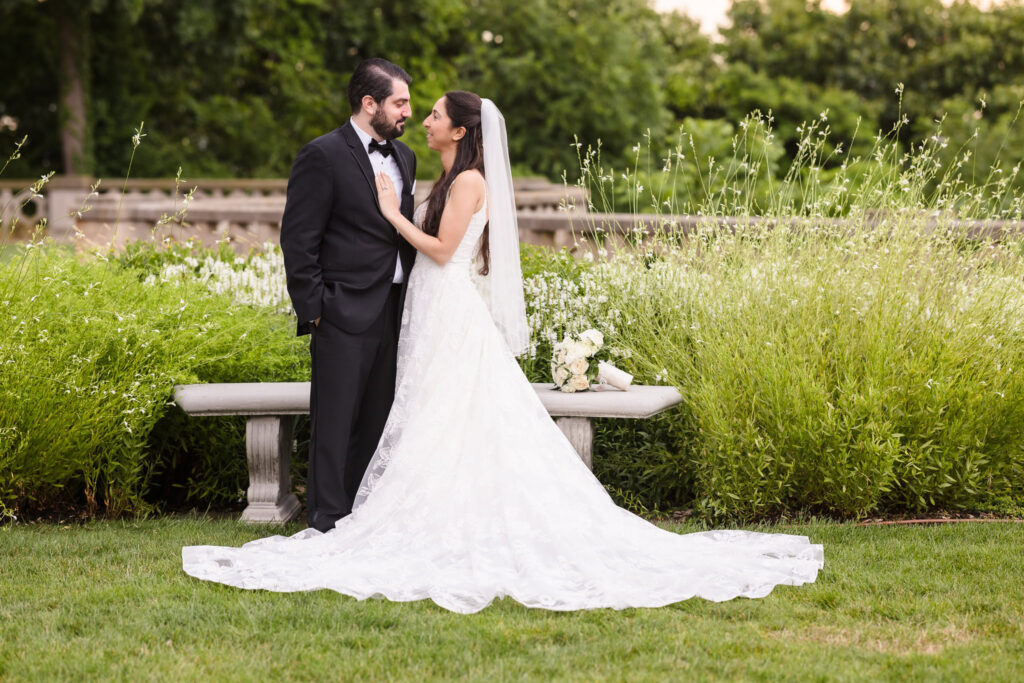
609 374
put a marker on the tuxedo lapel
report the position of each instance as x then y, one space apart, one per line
403 168
362 159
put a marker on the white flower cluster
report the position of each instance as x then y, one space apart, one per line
572 362
556 307
257 281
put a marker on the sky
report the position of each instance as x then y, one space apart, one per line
711 13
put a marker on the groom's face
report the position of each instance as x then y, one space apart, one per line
389 118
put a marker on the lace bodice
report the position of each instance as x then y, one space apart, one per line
467 249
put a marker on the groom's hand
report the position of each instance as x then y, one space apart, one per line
316 323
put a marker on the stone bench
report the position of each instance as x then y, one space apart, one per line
271 408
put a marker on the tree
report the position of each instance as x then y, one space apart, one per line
28 98
561 69
235 88
691 65
71 22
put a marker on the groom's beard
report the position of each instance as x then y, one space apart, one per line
386 129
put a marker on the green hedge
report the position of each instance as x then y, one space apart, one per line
89 356
842 375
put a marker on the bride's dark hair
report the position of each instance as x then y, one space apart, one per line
463 110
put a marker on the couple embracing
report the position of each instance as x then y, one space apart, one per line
434 470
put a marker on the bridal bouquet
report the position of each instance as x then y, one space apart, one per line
574 361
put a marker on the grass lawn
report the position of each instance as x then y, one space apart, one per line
109 600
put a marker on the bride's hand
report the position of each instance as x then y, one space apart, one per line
387 196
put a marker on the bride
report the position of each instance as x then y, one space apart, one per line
473 492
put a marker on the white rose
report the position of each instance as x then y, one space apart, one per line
594 338
579 366
567 388
576 350
579 383
559 374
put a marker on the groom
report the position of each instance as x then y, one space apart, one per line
346 268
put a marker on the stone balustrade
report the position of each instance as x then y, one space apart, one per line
244 212
19 209
247 213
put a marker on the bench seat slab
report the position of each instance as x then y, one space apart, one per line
270 408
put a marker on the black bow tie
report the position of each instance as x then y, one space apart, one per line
385 149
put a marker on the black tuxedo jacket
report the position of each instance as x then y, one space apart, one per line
339 251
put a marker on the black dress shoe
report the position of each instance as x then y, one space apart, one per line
324 524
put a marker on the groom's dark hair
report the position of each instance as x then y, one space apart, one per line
374 77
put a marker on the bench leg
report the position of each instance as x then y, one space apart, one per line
580 433
268 447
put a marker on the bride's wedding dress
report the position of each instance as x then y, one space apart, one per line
475 494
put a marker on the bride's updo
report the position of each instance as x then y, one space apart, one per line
463 109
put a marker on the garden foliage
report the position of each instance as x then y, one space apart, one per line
854 347
89 356
857 350
234 88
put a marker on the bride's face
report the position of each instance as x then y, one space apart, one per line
440 133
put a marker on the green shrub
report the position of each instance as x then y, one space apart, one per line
856 353
843 372
89 357
148 259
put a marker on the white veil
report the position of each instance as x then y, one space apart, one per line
503 286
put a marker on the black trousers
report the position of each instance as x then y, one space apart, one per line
352 388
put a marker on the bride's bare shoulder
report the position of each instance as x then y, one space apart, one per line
470 179
469 185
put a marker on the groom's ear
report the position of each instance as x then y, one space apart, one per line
369 104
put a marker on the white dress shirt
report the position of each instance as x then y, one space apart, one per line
389 165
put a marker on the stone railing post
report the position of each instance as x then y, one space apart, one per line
65 194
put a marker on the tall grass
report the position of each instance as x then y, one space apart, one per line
89 353
845 341
89 357
937 175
